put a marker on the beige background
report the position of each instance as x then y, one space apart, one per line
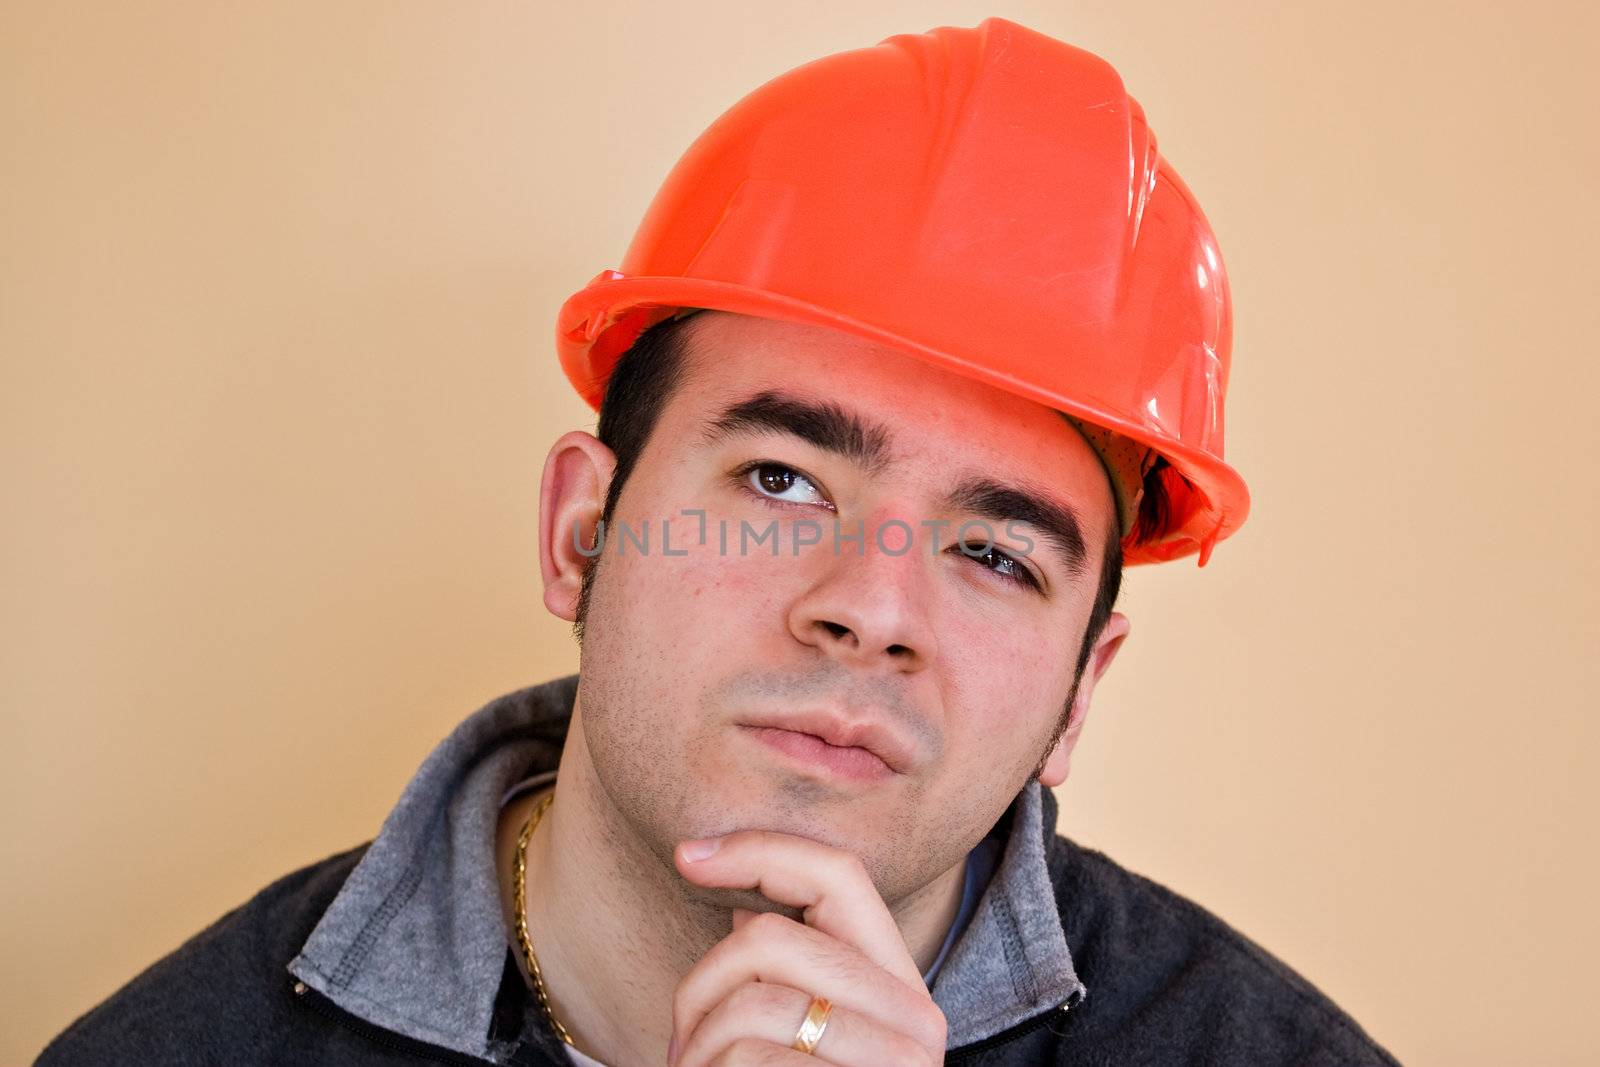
277 284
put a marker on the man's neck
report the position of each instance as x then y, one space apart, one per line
612 928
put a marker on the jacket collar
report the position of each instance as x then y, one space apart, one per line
415 941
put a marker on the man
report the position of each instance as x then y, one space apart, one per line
916 347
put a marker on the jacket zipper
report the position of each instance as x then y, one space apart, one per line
377 1034
1026 1026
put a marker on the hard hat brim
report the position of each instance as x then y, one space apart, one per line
599 322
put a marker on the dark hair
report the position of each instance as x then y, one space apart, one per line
1105 599
640 386
642 382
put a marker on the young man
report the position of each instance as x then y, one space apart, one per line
916 347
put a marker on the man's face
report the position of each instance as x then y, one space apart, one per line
693 664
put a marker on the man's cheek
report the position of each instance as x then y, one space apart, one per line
1002 659
751 591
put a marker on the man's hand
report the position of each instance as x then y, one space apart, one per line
744 1001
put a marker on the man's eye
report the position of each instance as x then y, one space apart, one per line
995 560
778 482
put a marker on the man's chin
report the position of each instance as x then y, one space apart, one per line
729 899
807 825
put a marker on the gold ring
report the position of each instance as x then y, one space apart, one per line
811 1030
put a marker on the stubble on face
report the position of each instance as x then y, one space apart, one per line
664 782
671 773
795 793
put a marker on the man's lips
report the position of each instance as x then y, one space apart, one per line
839 740
849 761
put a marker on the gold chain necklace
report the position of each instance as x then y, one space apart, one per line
519 889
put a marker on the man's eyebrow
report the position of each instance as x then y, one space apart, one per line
996 502
821 423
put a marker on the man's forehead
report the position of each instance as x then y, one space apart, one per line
736 344
731 358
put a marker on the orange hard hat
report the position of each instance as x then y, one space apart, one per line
989 200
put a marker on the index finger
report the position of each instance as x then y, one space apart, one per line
830 884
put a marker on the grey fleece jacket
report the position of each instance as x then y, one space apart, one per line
396 951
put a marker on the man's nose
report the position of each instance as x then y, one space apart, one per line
871 601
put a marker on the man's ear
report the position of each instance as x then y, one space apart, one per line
572 497
1105 649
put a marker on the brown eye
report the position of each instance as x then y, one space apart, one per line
778 482
1002 565
775 480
